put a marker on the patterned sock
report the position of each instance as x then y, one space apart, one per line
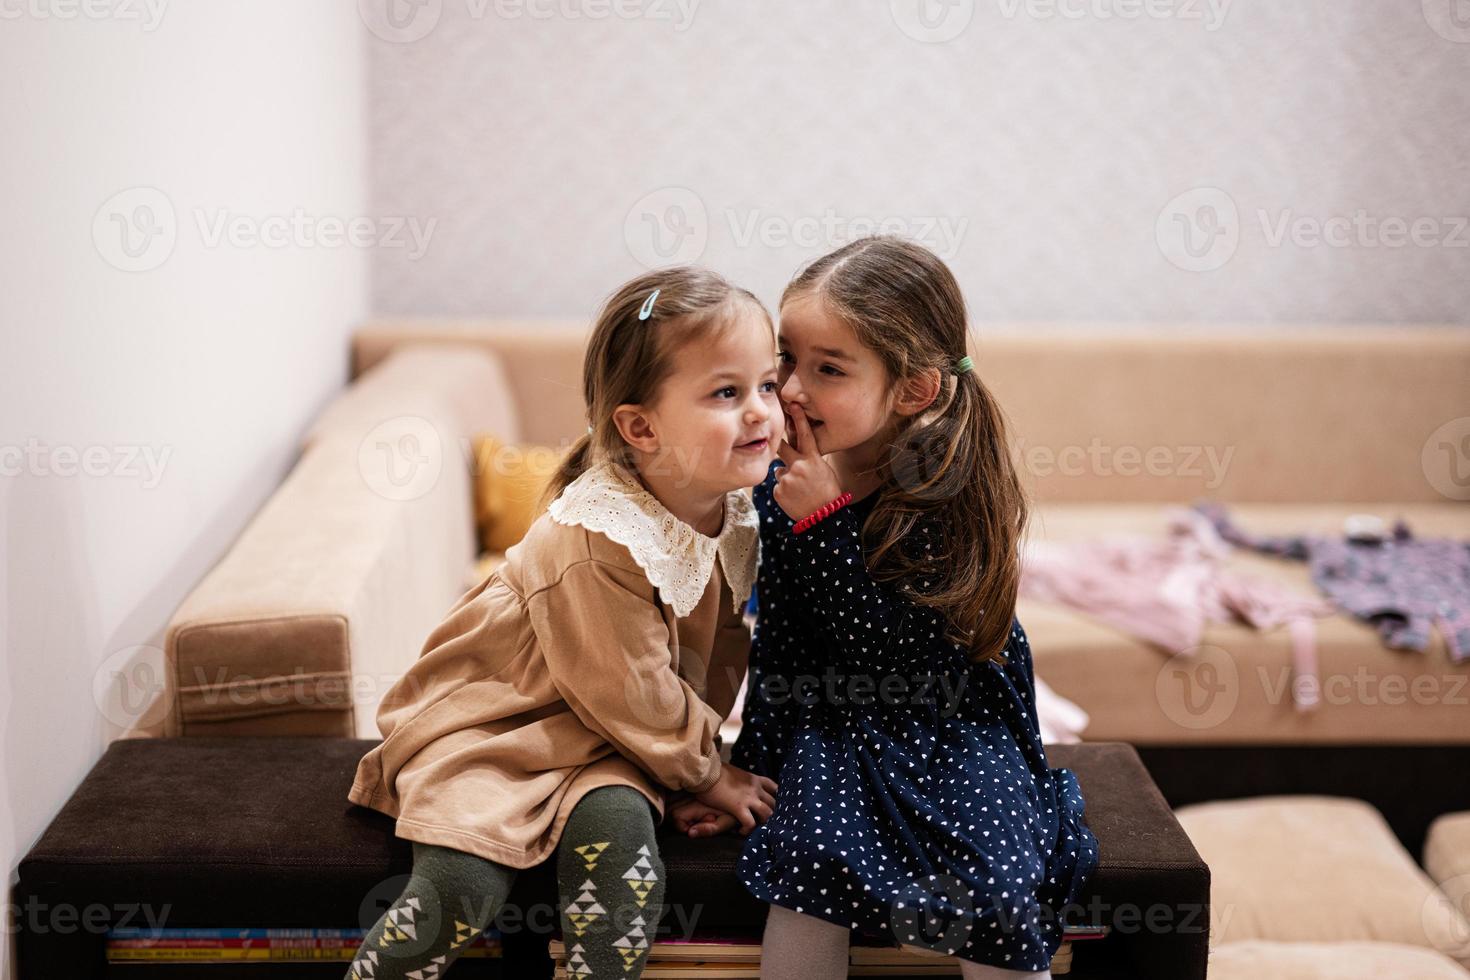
450 898
612 884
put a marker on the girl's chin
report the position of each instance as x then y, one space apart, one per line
759 463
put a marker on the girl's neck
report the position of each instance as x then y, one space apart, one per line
701 509
857 468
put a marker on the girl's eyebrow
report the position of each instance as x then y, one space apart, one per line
728 374
829 351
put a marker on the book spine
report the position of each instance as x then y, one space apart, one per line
340 953
253 943
130 932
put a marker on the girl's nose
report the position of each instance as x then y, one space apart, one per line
791 391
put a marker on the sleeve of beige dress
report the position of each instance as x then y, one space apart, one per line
607 649
728 664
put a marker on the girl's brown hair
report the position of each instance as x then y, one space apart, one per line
628 358
949 519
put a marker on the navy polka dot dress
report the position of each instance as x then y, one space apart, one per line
915 802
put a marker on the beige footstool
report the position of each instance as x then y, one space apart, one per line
1447 858
1316 869
1253 959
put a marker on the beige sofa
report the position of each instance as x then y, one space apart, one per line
330 591
328 594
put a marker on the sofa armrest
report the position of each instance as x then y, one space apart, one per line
323 601
327 596
463 387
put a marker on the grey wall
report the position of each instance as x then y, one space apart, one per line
1055 151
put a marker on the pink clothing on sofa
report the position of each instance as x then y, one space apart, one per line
1164 591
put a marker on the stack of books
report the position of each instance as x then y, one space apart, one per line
129 945
737 957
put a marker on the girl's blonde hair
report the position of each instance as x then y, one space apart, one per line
948 479
629 357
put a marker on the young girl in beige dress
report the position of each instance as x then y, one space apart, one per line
564 695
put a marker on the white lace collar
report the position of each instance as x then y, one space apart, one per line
677 559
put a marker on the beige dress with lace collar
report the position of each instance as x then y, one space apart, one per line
606 650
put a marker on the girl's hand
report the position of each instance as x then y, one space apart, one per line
805 481
743 795
698 819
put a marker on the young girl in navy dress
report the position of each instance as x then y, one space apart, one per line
891 693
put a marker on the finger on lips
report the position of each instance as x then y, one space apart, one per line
803 427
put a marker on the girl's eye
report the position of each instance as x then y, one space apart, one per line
769 385
783 357
831 370
721 392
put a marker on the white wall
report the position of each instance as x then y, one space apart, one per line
550 138
214 359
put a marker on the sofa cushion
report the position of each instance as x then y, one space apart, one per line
460 388
1301 413
1237 687
1447 857
1316 869
1257 959
542 361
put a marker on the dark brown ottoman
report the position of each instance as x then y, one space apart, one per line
257 832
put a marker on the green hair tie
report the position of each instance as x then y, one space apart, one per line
963 364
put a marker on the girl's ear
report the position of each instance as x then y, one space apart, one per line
917 392
634 426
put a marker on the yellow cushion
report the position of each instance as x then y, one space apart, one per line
1317 869
509 481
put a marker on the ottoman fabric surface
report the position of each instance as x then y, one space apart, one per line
257 831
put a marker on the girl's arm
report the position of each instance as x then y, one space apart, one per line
829 582
728 662
765 723
608 652
1018 657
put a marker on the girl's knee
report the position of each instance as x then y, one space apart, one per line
459 884
612 817
615 806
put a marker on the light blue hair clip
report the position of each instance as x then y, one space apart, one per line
647 310
589 430
963 364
